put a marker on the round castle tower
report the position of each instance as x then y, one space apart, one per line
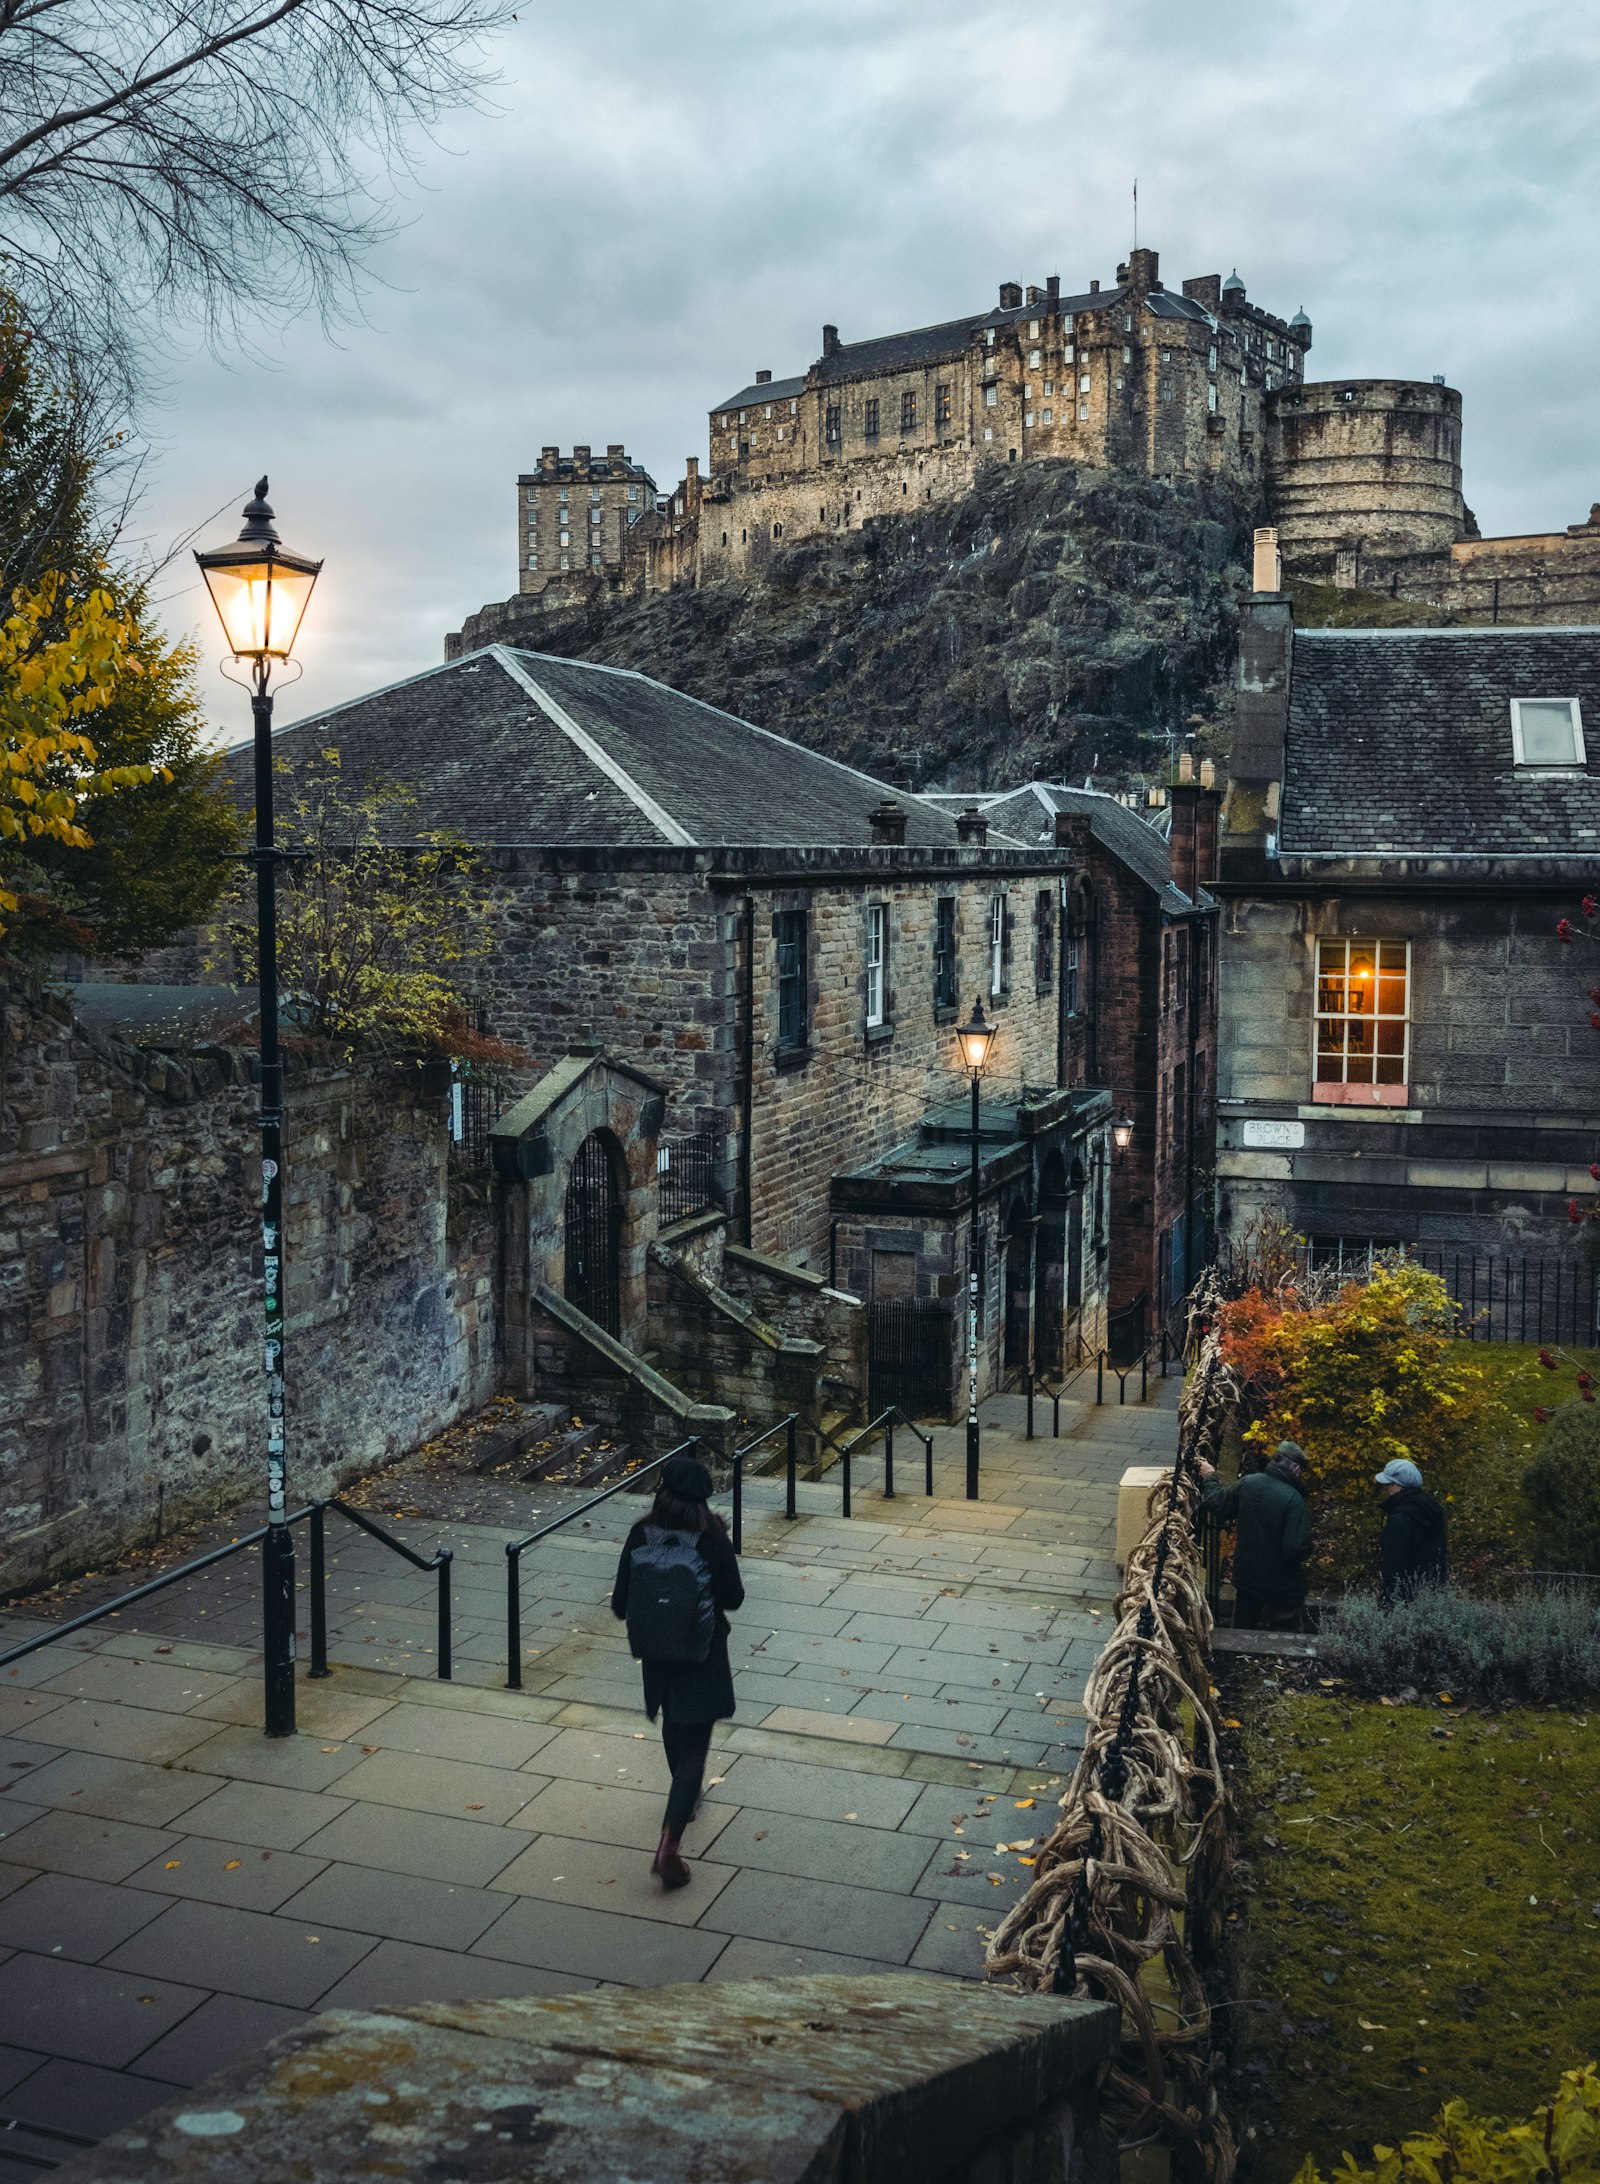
1370 467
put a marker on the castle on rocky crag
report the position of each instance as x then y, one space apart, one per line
1362 477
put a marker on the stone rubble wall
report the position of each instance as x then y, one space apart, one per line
130 1296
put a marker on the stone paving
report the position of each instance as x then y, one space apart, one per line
175 1888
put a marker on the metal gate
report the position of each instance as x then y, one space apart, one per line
910 1357
1125 1332
594 1236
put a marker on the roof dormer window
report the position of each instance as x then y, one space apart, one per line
1547 732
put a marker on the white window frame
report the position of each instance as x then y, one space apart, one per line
1345 1088
877 963
1575 714
997 946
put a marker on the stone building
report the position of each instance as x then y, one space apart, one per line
778 944
1406 1050
577 520
1139 1018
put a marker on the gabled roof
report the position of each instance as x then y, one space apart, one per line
520 749
1399 740
1029 815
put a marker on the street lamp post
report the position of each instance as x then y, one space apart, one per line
260 591
975 1037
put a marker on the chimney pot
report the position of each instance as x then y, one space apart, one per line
888 822
1186 765
763 379
1267 562
1208 774
1094 288
971 826
1053 286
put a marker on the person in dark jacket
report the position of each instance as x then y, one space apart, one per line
1413 1544
1272 1521
688 1695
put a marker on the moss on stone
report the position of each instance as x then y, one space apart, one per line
1423 1922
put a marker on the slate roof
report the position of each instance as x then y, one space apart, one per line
765 390
1162 303
1400 741
507 748
923 345
1029 814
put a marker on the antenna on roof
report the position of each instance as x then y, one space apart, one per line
1136 212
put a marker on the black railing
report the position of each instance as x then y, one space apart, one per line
686 1177
517 1548
1503 1297
885 1423
316 1513
911 1355
790 1428
476 1098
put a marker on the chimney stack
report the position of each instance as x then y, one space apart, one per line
1053 287
888 822
971 826
1010 296
1267 564
830 341
763 379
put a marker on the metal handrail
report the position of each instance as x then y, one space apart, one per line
516 1548
143 1592
885 1419
440 1560
789 1426
1124 1373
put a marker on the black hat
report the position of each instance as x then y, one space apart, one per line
686 1479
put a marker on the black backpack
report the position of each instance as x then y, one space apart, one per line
671 1613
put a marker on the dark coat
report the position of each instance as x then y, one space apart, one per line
690 1691
1414 1550
1273 1532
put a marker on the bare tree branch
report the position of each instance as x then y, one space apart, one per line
211 160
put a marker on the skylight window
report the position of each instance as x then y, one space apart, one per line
1547 732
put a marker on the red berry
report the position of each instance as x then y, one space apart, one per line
1572 1210
1566 930
1590 906
1547 1360
1540 1413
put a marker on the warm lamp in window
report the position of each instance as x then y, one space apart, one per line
1363 1023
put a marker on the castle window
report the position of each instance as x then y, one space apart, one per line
989 336
991 396
1033 329
533 561
830 424
566 561
944 953
1127 322
780 433
767 411
633 492
1127 354
777 530
594 492
1049 386
594 561
1547 732
1049 417
565 495
1166 356
1363 1021
1083 413
1044 938
869 418
566 538
1083 383
1035 357
988 432
877 962
1164 391
1027 418
941 405
999 948
1066 323
908 411
794 409
1211 360
1067 354
1211 398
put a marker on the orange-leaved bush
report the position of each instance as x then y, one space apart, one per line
1378 1373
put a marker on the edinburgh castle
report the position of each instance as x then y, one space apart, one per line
1363 478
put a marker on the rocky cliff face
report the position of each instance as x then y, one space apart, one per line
1056 622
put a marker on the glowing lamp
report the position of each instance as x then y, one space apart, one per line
1122 1131
976 1037
259 588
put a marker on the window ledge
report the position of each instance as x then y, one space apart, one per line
946 1012
786 1058
879 1034
1360 1095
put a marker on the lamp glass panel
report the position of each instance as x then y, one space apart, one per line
260 605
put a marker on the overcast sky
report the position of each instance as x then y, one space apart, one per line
671 196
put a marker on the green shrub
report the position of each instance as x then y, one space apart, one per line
1539 1646
1562 1485
1559 2144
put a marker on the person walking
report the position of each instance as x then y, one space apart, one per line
677 1582
1272 1521
1414 1549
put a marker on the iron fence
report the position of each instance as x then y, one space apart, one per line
1504 1296
686 1177
911 1356
476 1097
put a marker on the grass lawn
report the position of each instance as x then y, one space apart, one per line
1423 1922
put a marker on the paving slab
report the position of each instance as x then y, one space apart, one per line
610 1814
295 1763
125 1732
140 1682
823 1850
819 1914
401 1971
448 1786
437 1913
261 1814
221 2031
609 1877
431 1846
250 1953
82 2098
118 1789
600 1945
818 1793
85 2012
83 1843
230 1873
62 1914
483 1739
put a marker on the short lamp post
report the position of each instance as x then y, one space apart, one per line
260 591
975 1038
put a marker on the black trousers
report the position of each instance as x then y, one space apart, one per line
1257 1611
686 1745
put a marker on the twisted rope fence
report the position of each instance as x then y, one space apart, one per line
1127 1900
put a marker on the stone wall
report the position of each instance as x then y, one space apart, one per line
130 1316
1498 1128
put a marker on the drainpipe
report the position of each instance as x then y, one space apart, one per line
747 1068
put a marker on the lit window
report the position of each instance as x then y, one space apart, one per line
1547 732
794 409
780 432
941 405
566 538
1363 1021
767 411
877 952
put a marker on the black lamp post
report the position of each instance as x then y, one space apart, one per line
975 1037
260 591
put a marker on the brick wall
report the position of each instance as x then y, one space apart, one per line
130 1387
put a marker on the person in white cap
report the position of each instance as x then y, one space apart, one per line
1413 1547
